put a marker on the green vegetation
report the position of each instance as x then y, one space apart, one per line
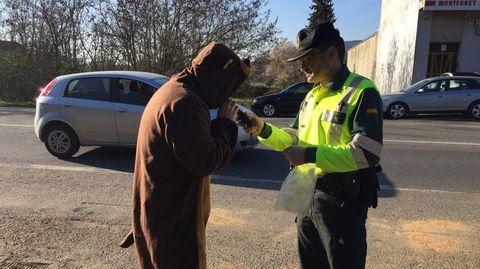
16 104
322 10
51 38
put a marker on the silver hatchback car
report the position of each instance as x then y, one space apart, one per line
442 94
99 109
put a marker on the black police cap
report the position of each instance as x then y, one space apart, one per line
310 38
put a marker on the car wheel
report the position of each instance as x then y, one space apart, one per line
269 110
474 110
61 141
397 110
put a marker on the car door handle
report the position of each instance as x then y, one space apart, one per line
440 96
122 110
67 105
469 94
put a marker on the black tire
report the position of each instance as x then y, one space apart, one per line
397 110
269 110
61 141
474 110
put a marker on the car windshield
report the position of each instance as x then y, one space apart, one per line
415 86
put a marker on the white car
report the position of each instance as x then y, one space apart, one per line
99 109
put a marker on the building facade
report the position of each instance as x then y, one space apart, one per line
419 39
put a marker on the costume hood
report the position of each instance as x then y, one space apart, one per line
216 73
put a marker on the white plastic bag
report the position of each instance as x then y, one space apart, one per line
297 189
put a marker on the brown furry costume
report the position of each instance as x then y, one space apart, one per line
178 148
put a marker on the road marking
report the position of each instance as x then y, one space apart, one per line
385 140
15 125
103 204
429 124
61 168
431 142
242 179
391 188
278 183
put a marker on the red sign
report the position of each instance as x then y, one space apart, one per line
452 5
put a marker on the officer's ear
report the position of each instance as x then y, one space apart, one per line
331 53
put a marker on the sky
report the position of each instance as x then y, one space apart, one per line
356 19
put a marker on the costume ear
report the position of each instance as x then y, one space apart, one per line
245 66
227 64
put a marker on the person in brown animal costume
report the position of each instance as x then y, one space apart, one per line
178 148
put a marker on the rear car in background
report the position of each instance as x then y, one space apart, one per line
286 101
99 109
444 94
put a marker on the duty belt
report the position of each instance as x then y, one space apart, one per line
351 185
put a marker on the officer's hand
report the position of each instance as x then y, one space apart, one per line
257 126
295 155
228 110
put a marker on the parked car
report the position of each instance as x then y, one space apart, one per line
469 74
286 101
443 94
99 109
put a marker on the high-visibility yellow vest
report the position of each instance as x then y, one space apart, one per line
323 123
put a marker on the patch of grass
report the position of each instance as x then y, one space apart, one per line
16 104
246 102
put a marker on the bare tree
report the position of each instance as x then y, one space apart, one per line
166 39
162 36
279 72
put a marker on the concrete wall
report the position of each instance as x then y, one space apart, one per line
447 26
403 43
422 48
349 45
396 45
361 57
469 52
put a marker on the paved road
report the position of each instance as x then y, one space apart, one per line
71 213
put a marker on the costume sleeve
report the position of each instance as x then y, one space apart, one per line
279 139
203 146
366 125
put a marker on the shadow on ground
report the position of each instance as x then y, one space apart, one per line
253 168
117 159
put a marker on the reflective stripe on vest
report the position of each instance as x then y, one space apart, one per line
361 143
338 117
293 134
367 144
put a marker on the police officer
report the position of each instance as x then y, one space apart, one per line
339 128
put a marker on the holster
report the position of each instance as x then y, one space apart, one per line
357 186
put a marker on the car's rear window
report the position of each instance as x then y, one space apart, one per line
89 88
463 84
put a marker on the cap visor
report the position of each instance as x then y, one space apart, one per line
299 54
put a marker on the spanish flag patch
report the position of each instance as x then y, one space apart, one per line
372 111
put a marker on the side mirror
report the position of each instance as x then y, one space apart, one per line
420 91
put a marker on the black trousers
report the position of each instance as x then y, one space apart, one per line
332 234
